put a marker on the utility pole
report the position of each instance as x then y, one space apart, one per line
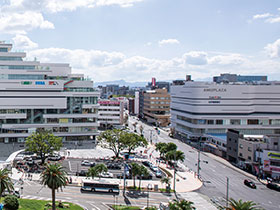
174 181
198 158
151 132
227 191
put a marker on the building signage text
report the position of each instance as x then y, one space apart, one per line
214 90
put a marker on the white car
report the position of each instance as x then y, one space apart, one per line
154 168
87 163
106 175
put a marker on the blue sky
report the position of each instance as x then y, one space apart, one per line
135 40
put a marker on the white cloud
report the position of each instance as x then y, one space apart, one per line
195 58
273 49
107 66
20 23
260 16
267 17
54 6
168 41
273 20
230 59
24 42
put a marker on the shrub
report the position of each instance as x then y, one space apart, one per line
11 202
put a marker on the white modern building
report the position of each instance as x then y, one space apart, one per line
211 108
110 113
136 103
44 95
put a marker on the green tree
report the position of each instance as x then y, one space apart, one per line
11 202
135 170
242 205
100 168
166 181
175 155
5 181
143 172
161 148
55 177
92 172
43 143
171 146
132 141
111 139
181 205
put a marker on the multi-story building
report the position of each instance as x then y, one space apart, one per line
199 108
157 107
238 78
257 154
110 113
158 85
131 106
46 96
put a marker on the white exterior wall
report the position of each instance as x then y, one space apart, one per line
208 100
136 103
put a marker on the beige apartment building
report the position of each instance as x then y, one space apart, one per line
157 107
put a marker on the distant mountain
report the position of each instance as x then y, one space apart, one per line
121 83
137 84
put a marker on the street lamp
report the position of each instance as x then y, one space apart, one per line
148 187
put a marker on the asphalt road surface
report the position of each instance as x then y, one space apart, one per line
214 174
92 200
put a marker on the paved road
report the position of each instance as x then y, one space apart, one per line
92 201
214 174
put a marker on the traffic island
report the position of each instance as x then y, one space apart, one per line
28 204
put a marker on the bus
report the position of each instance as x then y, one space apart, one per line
100 186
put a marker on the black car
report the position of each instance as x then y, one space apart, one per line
273 186
249 183
146 163
81 173
148 177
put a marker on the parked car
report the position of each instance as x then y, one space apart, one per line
120 176
106 175
249 183
158 174
81 173
15 192
30 161
87 163
273 186
150 176
54 157
154 168
147 163
113 166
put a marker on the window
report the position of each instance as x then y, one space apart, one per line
249 158
240 154
241 146
275 143
219 122
253 122
210 122
249 149
235 122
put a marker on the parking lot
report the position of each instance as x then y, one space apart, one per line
115 168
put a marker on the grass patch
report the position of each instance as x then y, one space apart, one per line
164 190
121 207
27 204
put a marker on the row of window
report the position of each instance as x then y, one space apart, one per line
9 58
229 121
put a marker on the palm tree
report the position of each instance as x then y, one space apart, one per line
5 181
54 176
242 205
92 172
135 169
181 205
99 168
143 172
166 181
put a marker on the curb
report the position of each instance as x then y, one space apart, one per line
232 167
